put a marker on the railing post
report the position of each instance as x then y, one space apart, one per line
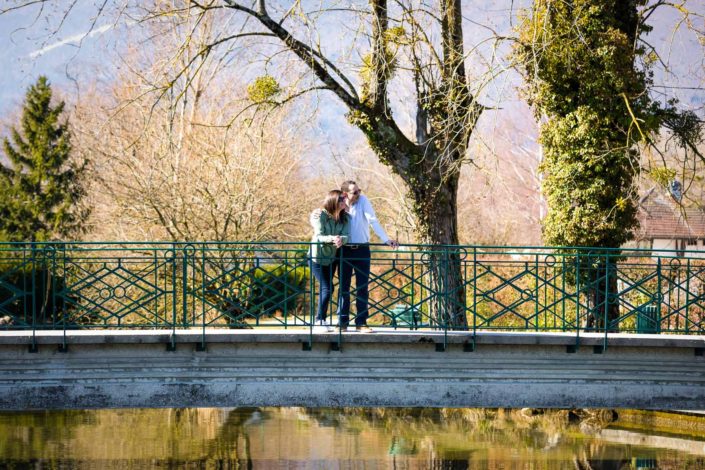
578 260
659 295
607 299
184 286
171 346
330 280
341 261
28 298
33 297
447 308
563 293
536 291
202 346
52 278
413 291
687 300
474 295
308 345
285 310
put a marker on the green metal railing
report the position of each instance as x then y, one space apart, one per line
244 285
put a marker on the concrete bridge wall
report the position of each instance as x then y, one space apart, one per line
103 369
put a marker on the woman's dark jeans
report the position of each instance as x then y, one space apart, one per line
324 275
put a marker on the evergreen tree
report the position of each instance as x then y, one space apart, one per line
40 189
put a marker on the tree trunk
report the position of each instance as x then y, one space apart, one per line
436 210
602 296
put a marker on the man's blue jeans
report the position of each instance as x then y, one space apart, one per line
357 260
324 275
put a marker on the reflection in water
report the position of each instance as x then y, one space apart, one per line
336 438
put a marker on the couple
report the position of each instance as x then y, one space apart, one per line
344 223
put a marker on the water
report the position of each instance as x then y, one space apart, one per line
293 438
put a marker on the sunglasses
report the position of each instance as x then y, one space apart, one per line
355 193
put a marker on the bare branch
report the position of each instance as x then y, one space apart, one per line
306 54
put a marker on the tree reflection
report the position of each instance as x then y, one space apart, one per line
464 437
347 438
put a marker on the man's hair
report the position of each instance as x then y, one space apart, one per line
346 184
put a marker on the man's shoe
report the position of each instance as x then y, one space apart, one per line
364 329
342 329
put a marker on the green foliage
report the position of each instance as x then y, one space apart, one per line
256 291
361 121
396 35
662 176
28 294
40 190
277 287
580 62
263 89
589 188
385 65
389 65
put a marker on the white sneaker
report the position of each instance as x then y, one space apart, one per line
322 329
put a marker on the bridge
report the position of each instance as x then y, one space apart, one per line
213 324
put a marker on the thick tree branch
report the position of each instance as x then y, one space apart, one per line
310 57
461 110
379 65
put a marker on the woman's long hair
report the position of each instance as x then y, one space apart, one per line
332 206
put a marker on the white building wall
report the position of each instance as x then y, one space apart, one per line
661 244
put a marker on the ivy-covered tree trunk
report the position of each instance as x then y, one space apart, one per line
603 304
437 216
580 62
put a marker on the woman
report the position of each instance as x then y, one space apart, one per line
330 231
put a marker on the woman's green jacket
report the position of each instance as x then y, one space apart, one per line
325 229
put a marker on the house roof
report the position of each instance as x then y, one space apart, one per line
661 217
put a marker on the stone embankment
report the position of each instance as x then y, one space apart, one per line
97 369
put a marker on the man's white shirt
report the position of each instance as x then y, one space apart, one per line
362 215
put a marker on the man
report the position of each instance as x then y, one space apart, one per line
356 257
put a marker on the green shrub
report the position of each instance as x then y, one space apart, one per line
28 296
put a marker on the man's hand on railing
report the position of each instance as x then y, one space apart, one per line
392 243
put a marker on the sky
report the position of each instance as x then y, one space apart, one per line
74 50
34 45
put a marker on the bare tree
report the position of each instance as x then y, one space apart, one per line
181 168
143 189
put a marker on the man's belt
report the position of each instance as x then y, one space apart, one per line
359 245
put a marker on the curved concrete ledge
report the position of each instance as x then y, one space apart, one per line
402 368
